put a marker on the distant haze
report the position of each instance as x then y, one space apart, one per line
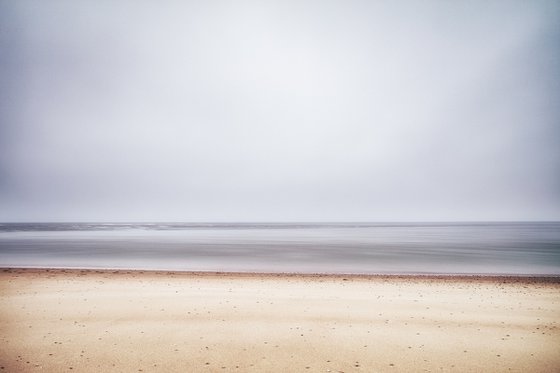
279 110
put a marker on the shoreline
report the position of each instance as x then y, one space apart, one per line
510 278
249 274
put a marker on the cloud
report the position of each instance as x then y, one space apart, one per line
279 111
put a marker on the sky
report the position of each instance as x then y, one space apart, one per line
282 110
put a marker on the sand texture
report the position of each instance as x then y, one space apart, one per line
134 321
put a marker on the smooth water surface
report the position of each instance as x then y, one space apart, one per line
401 248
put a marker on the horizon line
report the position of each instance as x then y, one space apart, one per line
273 221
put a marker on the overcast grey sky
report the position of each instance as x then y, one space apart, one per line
279 110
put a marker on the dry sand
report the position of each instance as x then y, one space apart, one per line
130 321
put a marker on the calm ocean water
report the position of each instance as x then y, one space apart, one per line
401 248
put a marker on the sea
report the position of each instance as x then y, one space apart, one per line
520 248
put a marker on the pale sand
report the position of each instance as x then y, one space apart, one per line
88 321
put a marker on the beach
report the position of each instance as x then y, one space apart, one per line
102 320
